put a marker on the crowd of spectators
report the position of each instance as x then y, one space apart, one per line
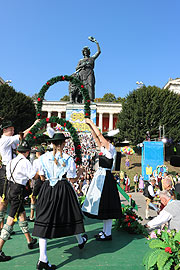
89 153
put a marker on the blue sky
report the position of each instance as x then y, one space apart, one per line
41 39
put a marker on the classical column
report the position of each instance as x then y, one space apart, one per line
101 121
111 121
59 114
48 116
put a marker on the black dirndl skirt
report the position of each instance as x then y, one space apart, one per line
58 212
110 204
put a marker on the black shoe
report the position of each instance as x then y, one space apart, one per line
105 238
99 234
149 218
85 238
32 243
29 219
4 258
41 265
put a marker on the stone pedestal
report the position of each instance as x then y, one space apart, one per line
75 115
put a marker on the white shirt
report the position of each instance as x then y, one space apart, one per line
85 189
71 173
161 219
109 154
151 190
7 143
38 167
136 178
23 171
127 181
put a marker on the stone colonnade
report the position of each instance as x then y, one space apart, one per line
106 113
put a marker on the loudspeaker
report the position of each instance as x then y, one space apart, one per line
118 162
175 161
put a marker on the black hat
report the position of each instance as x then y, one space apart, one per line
6 124
40 149
110 134
58 137
106 136
23 147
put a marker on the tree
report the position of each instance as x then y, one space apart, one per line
120 100
145 109
98 100
17 107
65 98
34 97
109 97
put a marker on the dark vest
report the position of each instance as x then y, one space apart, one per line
146 192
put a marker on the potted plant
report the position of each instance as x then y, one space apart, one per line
165 253
130 222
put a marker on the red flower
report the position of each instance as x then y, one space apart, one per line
38 114
48 83
101 153
78 146
168 249
77 159
129 224
133 217
30 132
47 119
82 86
87 114
39 99
88 100
63 78
127 218
34 137
64 124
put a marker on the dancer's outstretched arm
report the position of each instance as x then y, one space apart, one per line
99 137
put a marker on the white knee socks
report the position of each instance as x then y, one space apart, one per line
108 227
79 238
43 250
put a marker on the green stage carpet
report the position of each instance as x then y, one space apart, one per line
125 251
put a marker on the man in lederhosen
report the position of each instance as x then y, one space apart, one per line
8 143
18 171
37 183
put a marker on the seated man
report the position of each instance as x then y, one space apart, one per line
170 214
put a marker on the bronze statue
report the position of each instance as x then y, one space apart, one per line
85 73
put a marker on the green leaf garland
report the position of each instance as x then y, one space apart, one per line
34 135
73 80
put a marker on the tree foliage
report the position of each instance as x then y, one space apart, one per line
65 98
17 107
109 97
34 97
145 109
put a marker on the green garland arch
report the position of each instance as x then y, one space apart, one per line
77 82
33 134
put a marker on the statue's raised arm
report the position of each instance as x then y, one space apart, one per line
98 47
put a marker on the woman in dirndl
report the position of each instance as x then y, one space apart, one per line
102 199
58 213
